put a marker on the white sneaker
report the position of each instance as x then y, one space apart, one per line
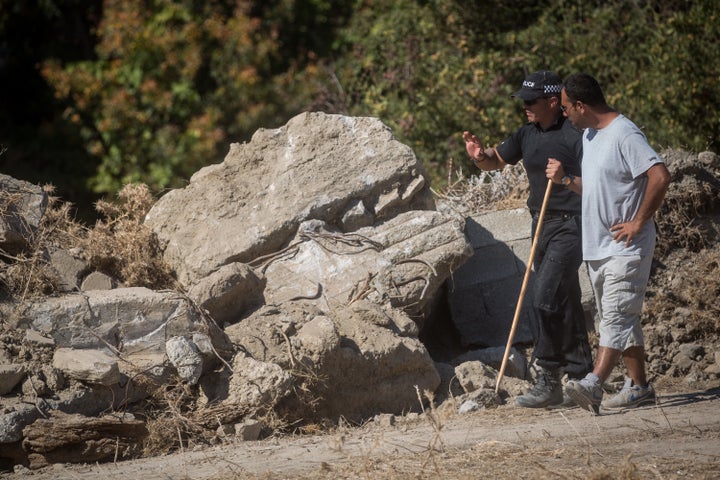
586 393
631 396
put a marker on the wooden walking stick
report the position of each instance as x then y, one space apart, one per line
524 286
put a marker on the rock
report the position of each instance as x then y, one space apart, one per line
316 339
98 281
35 338
484 292
516 365
389 371
386 367
150 367
693 351
92 366
23 205
484 397
13 421
317 166
10 376
682 362
67 438
255 383
127 319
468 406
35 386
186 358
402 262
68 267
475 375
356 217
229 292
249 430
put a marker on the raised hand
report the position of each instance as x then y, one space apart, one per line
474 147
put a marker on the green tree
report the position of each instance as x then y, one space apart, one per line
152 90
430 69
655 61
433 68
175 81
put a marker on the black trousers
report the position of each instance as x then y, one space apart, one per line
563 340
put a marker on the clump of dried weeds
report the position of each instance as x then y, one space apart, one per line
688 247
487 191
28 273
119 245
122 246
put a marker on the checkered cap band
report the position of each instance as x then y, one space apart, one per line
553 89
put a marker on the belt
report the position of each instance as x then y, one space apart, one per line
554 214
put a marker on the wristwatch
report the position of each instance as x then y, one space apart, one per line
567 180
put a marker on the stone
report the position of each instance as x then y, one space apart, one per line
249 430
92 366
37 339
230 292
68 268
10 377
97 281
23 205
186 358
258 196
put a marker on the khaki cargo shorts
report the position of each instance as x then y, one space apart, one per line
619 284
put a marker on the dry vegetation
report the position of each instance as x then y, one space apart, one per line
119 245
122 246
28 273
495 190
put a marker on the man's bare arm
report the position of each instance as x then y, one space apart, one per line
657 185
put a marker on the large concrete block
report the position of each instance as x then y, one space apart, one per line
488 264
501 226
483 313
483 293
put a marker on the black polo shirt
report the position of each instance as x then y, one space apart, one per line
534 146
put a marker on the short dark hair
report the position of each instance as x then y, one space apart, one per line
584 88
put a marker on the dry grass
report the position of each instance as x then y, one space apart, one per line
496 190
28 274
119 245
688 275
122 246
170 424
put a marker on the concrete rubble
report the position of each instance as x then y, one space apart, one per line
314 268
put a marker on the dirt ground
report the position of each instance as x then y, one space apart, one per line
678 438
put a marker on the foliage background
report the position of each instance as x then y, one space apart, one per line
101 93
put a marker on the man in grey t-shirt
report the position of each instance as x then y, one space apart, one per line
623 184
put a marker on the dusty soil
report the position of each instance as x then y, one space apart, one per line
677 438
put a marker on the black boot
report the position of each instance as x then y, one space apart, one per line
546 391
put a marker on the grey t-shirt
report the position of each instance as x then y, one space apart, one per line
615 159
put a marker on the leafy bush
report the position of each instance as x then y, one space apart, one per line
433 69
